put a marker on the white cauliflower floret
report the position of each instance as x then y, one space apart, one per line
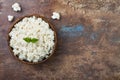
55 16
10 18
16 7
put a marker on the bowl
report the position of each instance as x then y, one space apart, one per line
50 25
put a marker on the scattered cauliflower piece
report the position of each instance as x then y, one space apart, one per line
10 18
16 7
55 16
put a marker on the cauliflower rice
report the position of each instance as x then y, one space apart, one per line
35 28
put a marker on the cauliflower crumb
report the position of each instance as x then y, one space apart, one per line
10 18
55 16
16 7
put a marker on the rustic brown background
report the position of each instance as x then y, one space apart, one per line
88 40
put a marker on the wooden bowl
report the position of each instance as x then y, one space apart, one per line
51 26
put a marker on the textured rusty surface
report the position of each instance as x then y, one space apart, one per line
88 40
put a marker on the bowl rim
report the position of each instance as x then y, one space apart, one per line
50 25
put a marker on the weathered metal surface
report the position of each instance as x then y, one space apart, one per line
88 40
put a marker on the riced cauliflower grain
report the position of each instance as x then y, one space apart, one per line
16 7
10 18
35 28
55 16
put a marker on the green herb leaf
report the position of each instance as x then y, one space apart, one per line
28 40
34 40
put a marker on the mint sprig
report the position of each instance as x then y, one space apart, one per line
32 40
